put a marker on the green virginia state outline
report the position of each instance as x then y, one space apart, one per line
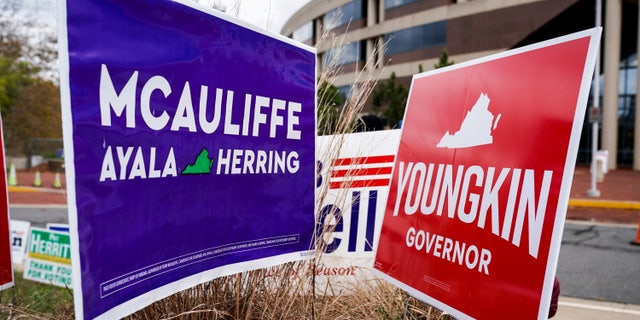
202 165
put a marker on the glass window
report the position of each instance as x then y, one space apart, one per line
628 82
627 108
396 3
632 61
349 53
342 15
420 37
628 75
345 91
304 33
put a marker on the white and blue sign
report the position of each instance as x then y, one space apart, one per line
189 142
355 183
61 227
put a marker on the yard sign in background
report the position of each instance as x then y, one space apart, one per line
19 238
355 182
48 257
481 183
189 142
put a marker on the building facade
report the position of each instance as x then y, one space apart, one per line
406 36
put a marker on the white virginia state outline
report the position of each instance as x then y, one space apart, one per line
476 128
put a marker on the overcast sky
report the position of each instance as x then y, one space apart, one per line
268 14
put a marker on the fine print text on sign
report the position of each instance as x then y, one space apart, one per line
481 183
190 149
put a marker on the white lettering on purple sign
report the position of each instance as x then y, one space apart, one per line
260 114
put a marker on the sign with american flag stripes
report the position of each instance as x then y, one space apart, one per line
361 172
354 176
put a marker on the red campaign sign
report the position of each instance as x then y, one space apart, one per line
6 267
480 187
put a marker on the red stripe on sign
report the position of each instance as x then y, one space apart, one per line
359 184
362 160
360 172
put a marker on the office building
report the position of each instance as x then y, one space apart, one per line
416 32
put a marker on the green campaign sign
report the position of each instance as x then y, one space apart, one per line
48 257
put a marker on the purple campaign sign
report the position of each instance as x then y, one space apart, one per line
189 141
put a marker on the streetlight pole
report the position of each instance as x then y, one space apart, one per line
593 191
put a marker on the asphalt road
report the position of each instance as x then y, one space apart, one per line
597 261
38 215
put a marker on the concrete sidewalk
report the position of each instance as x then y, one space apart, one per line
619 200
581 309
620 190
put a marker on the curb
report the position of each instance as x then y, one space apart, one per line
34 189
606 204
571 308
23 189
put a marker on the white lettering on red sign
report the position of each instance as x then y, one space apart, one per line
452 189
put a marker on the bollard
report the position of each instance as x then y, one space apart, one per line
36 181
13 180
